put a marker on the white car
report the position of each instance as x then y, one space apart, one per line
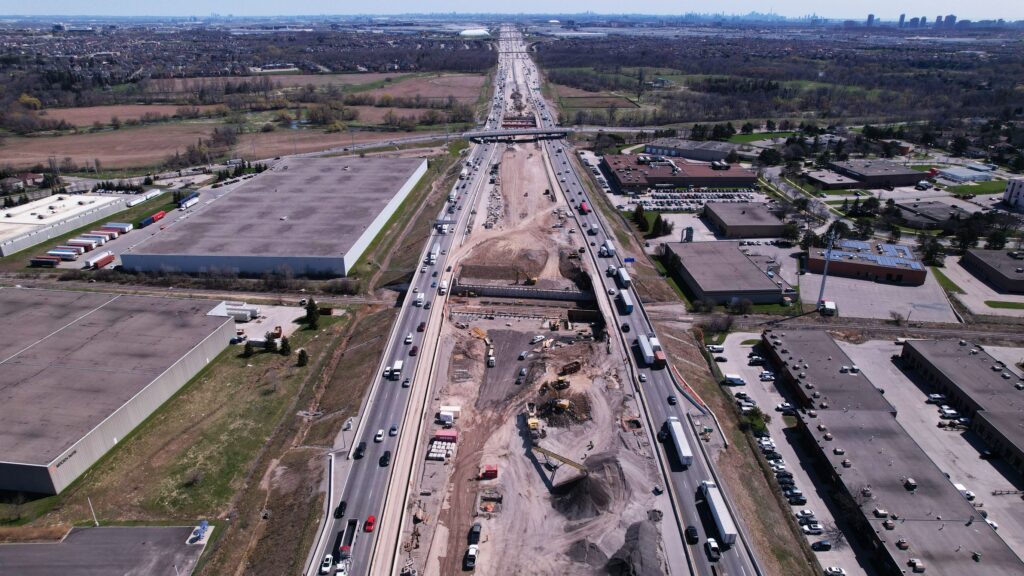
380 436
813 529
805 513
327 564
834 571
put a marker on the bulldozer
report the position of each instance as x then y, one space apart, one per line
532 422
561 384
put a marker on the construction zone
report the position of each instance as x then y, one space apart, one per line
535 458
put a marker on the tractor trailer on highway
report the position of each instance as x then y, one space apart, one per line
723 519
683 450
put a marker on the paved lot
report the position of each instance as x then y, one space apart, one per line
865 299
124 551
977 291
767 397
954 452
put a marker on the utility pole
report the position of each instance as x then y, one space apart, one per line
94 520
824 273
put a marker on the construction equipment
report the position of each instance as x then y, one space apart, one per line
553 325
561 384
560 458
532 422
570 368
562 404
479 333
531 281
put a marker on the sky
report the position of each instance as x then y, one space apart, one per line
884 9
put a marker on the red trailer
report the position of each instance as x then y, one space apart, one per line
104 261
584 209
489 472
159 215
446 435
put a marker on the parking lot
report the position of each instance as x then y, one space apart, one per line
956 451
978 291
861 298
767 397
127 551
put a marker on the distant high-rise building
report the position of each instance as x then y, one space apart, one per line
871 19
914 22
903 19
938 21
950 21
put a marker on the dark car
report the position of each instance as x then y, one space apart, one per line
691 535
821 546
360 450
474 533
421 327
672 400
797 500
340 510
721 359
385 459
414 350
625 327
426 305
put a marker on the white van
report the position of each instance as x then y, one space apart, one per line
734 380
715 349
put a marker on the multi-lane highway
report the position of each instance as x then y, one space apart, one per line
656 385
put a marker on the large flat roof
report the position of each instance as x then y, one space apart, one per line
683 144
650 169
19 220
1002 261
301 207
744 213
721 267
894 256
872 167
931 210
68 360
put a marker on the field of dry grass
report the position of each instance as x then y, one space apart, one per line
464 87
270 144
86 115
283 80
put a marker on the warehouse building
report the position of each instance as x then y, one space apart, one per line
829 180
963 175
1002 269
81 370
305 216
908 514
744 219
979 387
719 272
877 173
30 224
640 172
1013 196
929 214
705 151
893 263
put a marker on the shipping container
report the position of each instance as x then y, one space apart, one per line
45 261
108 234
122 227
100 240
188 204
159 215
63 255
76 249
103 261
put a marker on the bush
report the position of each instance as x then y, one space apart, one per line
303 358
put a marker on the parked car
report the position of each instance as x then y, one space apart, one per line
469 562
807 521
813 529
784 407
474 533
821 546
797 500
805 513
721 359
834 571
936 398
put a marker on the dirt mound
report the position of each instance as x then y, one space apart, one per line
584 551
527 262
595 493
639 554
478 271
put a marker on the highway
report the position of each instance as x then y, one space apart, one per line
656 385
362 483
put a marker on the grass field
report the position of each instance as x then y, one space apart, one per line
1002 304
86 115
578 102
748 138
990 187
947 284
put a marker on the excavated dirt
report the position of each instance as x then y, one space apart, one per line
596 493
639 554
583 551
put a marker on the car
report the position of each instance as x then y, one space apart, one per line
691 534
433 284
394 430
672 400
385 459
434 274
327 564
821 546
426 305
807 520
805 513
340 510
360 450
522 371
714 551
611 292
767 376
469 562
423 270
783 407
986 455
643 377
936 399
379 437
474 533
721 359
813 529
415 290
405 383
756 361
414 350
370 524
834 571
408 338
742 395
797 500
625 327
785 481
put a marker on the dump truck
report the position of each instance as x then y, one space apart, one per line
570 368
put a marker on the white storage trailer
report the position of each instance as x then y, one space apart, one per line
623 277
646 349
683 450
723 519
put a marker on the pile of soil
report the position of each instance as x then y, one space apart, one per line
526 262
639 554
595 493
584 551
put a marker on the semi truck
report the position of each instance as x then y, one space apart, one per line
442 288
396 372
723 519
682 445
464 174
626 302
645 349
348 541
434 252
659 353
607 250
623 278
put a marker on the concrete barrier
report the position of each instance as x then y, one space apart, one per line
525 292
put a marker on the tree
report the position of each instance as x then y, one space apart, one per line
249 349
312 315
303 358
809 239
286 347
791 232
864 228
770 157
639 218
996 240
959 146
895 233
839 229
931 249
747 128
659 226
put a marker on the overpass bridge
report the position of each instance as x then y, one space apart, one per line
510 133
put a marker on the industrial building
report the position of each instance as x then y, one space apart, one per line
305 216
962 175
979 387
828 180
1002 269
894 263
719 272
744 219
30 224
908 514
81 370
1013 196
877 173
929 214
640 172
703 150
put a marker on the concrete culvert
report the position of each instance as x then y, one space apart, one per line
595 493
639 554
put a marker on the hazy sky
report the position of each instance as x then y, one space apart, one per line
885 9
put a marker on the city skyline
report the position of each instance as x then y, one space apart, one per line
883 11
